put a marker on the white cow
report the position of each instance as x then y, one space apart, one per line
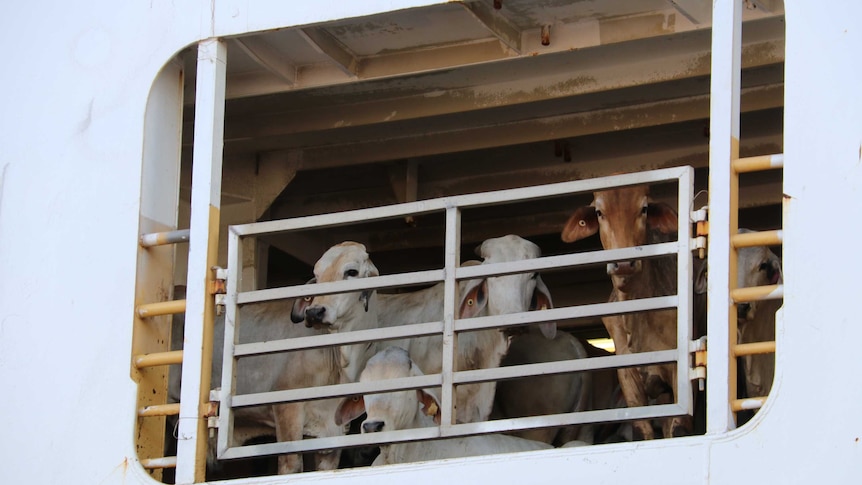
482 349
268 321
415 409
757 266
560 393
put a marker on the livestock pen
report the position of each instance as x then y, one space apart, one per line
222 147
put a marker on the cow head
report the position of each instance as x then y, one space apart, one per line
756 266
389 411
623 217
500 295
344 261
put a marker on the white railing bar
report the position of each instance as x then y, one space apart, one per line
328 340
228 385
316 444
461 201
685 299
336 390
565 366
451 258
470 324
579 311
567 260
345 286
462 273
460 377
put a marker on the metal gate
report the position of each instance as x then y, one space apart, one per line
450 274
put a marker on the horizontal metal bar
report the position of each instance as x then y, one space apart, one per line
462 201
442 432
323 392
762 238
460 377
346 286
160 410
758 164
471 324
566 260
329 340
754 348
555 314
161 308
738 405
565 366
159 358
162 238
166 462
757 293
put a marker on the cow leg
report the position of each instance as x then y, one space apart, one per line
327 460
289 419
631 382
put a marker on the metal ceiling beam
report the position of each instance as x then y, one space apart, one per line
332 48
697 11
268 58
497 24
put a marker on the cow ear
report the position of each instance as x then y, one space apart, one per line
661 217
474 300
430 406
297 313
350 408
583 223
542 301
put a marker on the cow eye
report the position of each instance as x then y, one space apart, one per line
764 266
308 298
351 273
644 210
598 213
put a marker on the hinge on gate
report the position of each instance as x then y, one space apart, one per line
701 219
698 372
212 411
218 288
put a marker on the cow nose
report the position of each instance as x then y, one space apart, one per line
372 426
315 314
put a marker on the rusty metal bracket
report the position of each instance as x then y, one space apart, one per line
211 412
698 372
218 288
701 220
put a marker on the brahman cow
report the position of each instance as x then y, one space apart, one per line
626 217
415 409
560 393
483 349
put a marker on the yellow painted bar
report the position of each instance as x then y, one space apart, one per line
754 348
159 358
163 238
758 164
762 238
161 308
738 405
757 293
160 410
166 462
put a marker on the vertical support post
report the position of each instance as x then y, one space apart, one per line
231 322
450 301
203 253
723 192
684 292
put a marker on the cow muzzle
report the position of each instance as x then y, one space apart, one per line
315 316
372 426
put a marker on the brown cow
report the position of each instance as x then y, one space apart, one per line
626 217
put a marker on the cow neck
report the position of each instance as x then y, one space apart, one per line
352 358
